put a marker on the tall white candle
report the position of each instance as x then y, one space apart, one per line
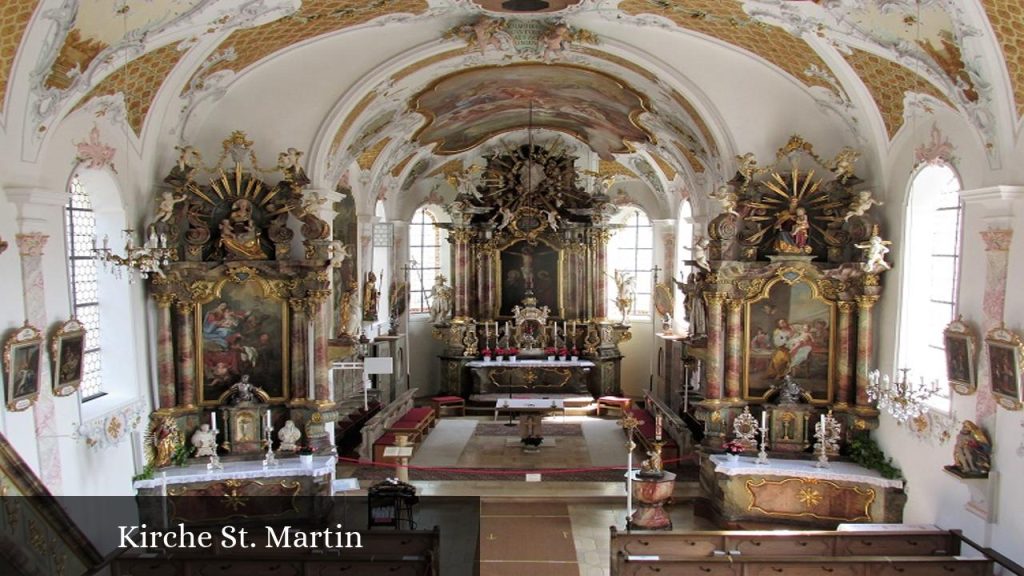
823 426
268 418
764 422
213 420
657 428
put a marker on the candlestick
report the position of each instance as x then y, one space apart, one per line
213 420
657 428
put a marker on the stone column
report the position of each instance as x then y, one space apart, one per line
321 322
733 348
598 283
30 248
843 376
461 278
186 353
865 348
165 393
486 285
716 350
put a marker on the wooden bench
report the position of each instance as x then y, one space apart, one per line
415 423
456 403
740 546
806 566
378 425
617 402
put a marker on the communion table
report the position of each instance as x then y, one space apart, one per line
794 491
285 491
531 376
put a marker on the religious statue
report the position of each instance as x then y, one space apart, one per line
165 209
205 441
338 253
289 436
348 312
626 292
238 234
789 391
727 198
699 251
842 164
440 301
693 305
747 165
861 202
288 162
482 34
875 250
243 391
165 439
653 466
972 454
792 226
370 297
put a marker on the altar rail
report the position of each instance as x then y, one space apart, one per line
378 425
866 552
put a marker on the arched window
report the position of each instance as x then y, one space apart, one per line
424 257
931 266
80 230
631 250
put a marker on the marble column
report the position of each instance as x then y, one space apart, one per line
716 350
733 348
865 347
186 353
30 248
299 336
843 376
486 286
461 277
165 388
573 282
320 326
598 282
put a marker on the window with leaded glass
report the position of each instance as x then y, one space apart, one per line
424 258
631 250
80 227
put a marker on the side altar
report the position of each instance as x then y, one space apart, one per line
529 273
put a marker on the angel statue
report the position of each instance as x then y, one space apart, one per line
861 202
625 284
339 253
727 198
875 250
747 165
165 209
699 250
842 164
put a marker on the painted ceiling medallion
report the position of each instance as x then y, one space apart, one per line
468 107
524 6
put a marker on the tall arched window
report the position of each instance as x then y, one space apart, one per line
425 251
631 250
80 230
931 263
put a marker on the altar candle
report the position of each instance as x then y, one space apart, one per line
764 422
213 421
823 426
268 418
657 428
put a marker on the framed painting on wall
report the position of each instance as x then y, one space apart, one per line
960 341
23 353
67 348
529 267
242 328
1004 350
789 329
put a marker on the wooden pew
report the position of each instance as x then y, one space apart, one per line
378 425
744 545
806 566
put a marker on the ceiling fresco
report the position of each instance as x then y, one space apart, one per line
466 108
14 17
526 6
1007 19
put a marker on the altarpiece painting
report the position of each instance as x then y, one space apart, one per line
526 266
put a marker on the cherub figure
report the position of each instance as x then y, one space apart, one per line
339 252
554 41
487 32
188 158
312 203
700 253
289 163
747 165
875 250
552 220
165 209
727 198
842 164
861 202
506 217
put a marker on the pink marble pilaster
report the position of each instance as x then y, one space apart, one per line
461 277
600 305
186 353
997 257
716 350
165 388
843 375
865 347
299 335
485 285
320 381
733 348
30 248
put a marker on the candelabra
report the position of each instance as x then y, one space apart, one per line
902 400
826 431
138 260
269 459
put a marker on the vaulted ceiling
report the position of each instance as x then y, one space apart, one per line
396 88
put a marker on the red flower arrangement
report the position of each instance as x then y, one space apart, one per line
550 350
563 351
733 447
500 351
486 352
513 351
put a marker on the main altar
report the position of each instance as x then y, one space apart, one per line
529 275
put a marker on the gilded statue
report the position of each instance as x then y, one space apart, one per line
972 454
792 227
371 296
165 440
238 235
727 199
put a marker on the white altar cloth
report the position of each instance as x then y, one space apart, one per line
838 471
322 466
537 363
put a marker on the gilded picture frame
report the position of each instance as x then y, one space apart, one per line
1005 353
960 343
242 327
67 349
23 355
539 260
789 327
